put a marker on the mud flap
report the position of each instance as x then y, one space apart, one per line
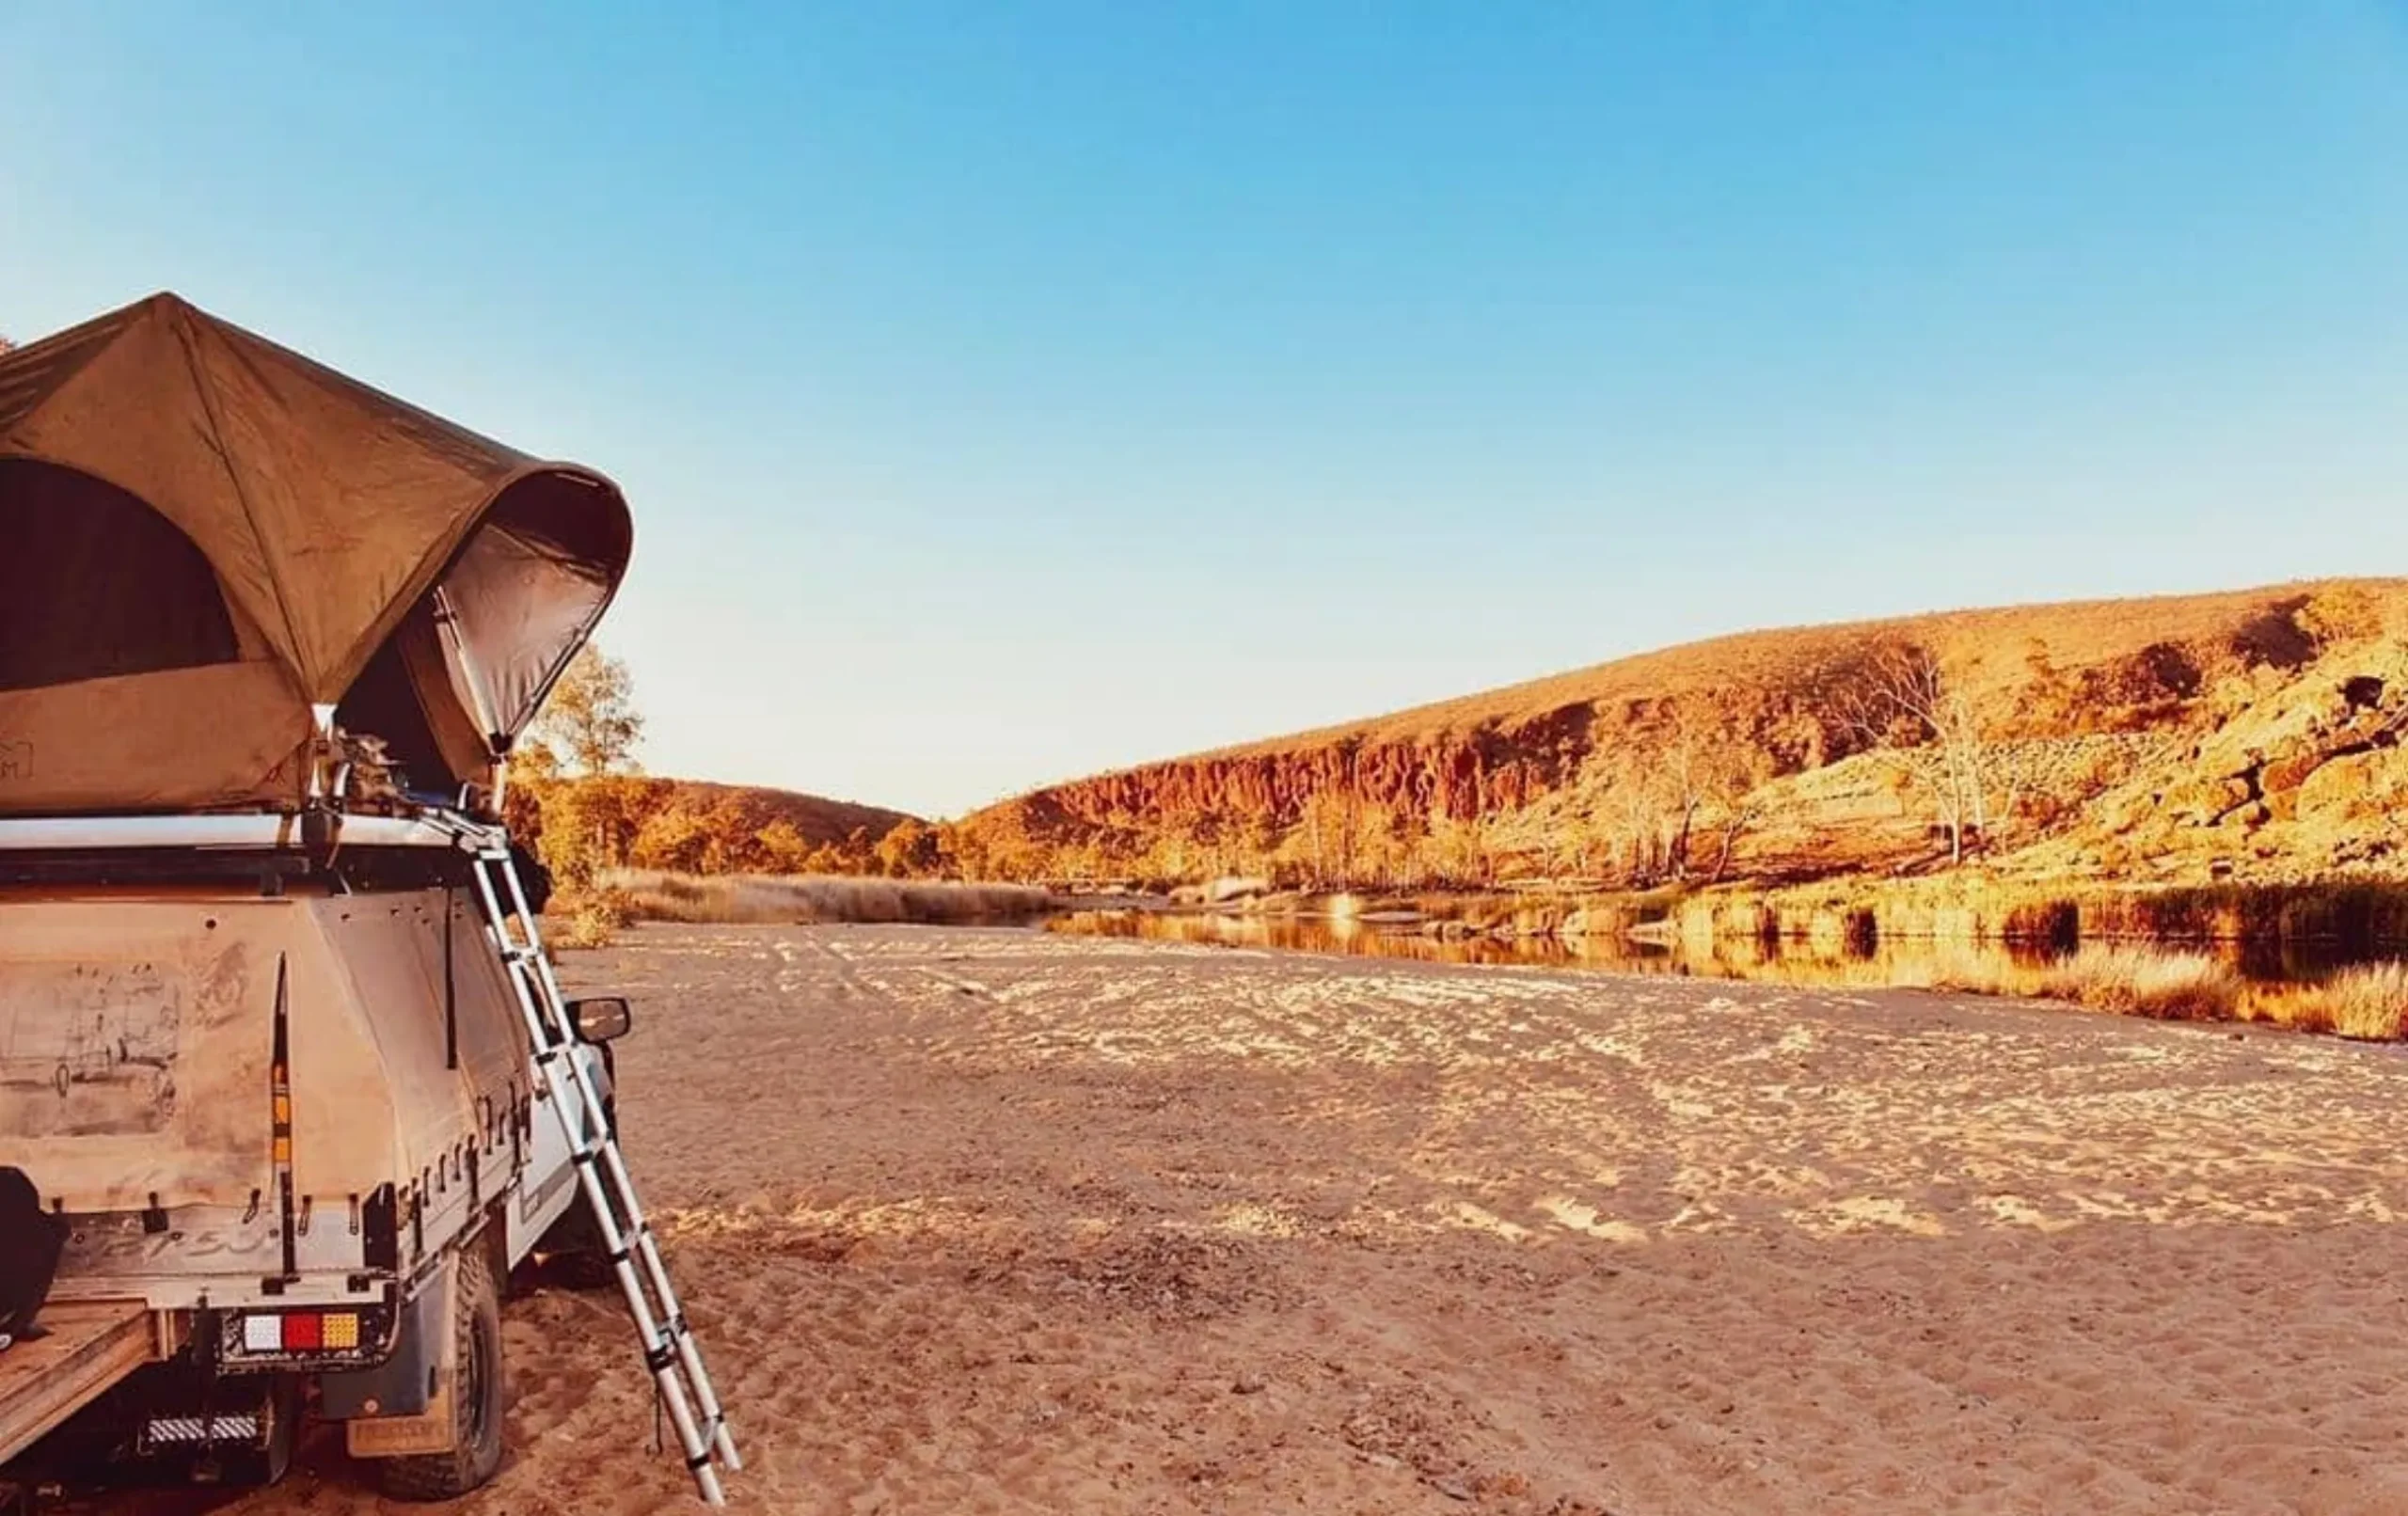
404 1408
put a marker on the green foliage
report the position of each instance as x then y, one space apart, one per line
589 721
910 849
584 826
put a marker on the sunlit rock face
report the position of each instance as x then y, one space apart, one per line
2092 731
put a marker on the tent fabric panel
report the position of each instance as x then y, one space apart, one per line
131 415
32 373
528 587
384 703
221 734
435 681
358 501
95 583
407 697
326 507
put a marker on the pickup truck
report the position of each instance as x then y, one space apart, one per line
287 1105
296 1076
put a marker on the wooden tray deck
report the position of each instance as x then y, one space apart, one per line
92 1345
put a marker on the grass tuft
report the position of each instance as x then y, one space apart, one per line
803 898
2172 987
2368 1002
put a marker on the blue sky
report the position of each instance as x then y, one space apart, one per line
1007 392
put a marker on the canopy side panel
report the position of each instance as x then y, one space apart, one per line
389 953
134 1043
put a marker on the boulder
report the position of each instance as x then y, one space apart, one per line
1235 887
2203 802
2290 772
2357 782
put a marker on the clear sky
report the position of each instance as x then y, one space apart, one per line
1007 392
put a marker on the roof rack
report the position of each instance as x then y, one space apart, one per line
262 832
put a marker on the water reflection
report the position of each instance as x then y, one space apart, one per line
1887 962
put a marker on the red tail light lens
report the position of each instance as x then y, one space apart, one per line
303 1331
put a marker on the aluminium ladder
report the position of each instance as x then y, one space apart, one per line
670 1351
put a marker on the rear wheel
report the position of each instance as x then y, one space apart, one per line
475 1395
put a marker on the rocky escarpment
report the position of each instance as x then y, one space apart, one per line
1495 765
2293 779
1803 752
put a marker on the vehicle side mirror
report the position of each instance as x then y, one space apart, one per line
602 1019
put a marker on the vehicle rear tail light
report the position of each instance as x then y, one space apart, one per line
302 1331
291 1333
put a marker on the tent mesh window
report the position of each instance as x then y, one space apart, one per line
94 583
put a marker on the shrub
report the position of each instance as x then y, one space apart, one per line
611 905
590 920
2054 924
1862 933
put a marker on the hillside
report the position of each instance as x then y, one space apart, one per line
691 825
2247 732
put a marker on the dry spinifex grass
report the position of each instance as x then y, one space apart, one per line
2131 981
801 898
2368 1002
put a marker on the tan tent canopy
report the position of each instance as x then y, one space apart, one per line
203 536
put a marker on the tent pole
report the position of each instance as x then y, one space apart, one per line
447 622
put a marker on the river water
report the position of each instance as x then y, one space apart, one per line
1889 962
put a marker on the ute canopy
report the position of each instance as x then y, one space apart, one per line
208 541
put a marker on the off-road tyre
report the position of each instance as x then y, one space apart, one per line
476 1399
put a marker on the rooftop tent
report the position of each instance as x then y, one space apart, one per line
204 536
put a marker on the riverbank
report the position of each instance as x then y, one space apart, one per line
2317 957
2353 913
1022 1223
620 898
2314 957
1019 1224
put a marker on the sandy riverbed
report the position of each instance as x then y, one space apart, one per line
1005 1222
